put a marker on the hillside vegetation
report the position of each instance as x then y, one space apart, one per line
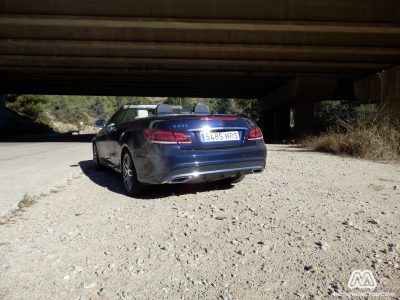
64 113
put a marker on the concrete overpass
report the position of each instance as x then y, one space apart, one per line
273 50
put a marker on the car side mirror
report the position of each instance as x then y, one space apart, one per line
99 124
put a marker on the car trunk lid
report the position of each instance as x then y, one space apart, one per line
208 132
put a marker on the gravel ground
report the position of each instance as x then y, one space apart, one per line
297 230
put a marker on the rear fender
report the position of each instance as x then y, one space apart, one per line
126 143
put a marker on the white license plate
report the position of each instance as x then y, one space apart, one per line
211 137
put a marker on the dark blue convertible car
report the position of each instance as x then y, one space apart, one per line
165 144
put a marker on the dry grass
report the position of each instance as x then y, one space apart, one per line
374 137
26 201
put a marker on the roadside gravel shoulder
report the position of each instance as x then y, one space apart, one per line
297 230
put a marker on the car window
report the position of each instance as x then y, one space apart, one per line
117 117
130 114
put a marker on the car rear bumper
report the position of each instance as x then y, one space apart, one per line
161 166
213 172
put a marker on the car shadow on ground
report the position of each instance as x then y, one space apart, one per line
113 182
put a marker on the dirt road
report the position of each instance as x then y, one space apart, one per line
296 231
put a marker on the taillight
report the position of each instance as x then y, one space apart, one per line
167 137
255 134
182 137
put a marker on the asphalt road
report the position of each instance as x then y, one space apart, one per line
33 168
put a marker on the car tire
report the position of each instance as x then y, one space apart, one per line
233 180
96 159
237 179
129 175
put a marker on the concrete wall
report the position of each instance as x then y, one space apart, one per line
2 111
382 88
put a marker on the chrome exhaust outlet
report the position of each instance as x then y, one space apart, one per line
180 180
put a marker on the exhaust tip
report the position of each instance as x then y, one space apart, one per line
180 180
255 171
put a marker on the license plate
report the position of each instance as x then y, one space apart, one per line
211 137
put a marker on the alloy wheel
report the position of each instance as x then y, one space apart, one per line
127 172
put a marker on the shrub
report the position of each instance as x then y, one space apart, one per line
371 136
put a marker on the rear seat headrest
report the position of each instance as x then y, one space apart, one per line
201 108
163 109
142 113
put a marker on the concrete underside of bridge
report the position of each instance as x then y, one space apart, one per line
209 48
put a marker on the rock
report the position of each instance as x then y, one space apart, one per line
266 268
338 290
90 286
373 221
67 277
348 223
101 292
152 252
310 269
300 295
220 218
78 269
335 288
240 252
166 246
323 245
234 242
392 247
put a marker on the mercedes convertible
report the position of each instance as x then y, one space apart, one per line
164 144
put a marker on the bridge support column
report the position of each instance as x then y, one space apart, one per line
2 111
277 105
276 123
282 122
268 125
303 118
